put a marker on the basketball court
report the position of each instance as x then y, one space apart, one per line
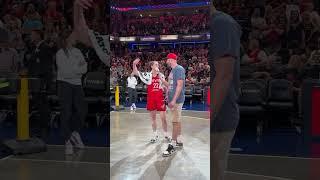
133 157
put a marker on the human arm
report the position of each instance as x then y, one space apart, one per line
226 50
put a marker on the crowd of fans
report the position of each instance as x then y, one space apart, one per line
48 18
281 40
131 3
137 24
194 59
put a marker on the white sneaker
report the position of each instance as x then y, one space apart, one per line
154 138
131 108
68 148
167 137
76 139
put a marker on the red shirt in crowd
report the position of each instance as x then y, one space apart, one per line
254 55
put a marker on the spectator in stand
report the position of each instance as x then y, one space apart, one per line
32 19
52 14
51 31
294 75
258 24
315 33
315 56
295 32
40 63
308 25
272 36
9 64
163 24
255 54
18 10
12 22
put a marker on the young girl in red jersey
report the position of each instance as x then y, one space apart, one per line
155 97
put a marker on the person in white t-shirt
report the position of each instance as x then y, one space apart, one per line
132 83
71 66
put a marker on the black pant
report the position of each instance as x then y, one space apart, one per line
73 108
132 95
41 103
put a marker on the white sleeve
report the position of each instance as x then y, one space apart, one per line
101 45
146 77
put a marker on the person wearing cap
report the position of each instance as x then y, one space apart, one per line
224 57
176 98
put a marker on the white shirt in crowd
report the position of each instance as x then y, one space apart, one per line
9 60
132 82
71 67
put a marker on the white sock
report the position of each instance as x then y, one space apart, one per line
155 133
173 143
165 134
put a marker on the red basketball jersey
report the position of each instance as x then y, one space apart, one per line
155 86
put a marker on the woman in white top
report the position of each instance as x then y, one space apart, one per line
132 83
71 66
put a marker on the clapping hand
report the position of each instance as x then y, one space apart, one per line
136 61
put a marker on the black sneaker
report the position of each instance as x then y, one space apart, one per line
170 150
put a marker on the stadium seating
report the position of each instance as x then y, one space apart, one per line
252 101
95 87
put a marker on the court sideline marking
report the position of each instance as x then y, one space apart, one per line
6 157
270 156
86 147
257 175
206 119
57 161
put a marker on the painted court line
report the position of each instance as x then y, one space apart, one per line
148 114
257 175
87 147
6 157
57 161
269 156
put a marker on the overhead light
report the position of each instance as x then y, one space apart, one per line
191 36
148 38
127 39
168 37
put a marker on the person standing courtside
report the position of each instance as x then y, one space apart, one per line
132 83
71 66
176 98
40 65
225 58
